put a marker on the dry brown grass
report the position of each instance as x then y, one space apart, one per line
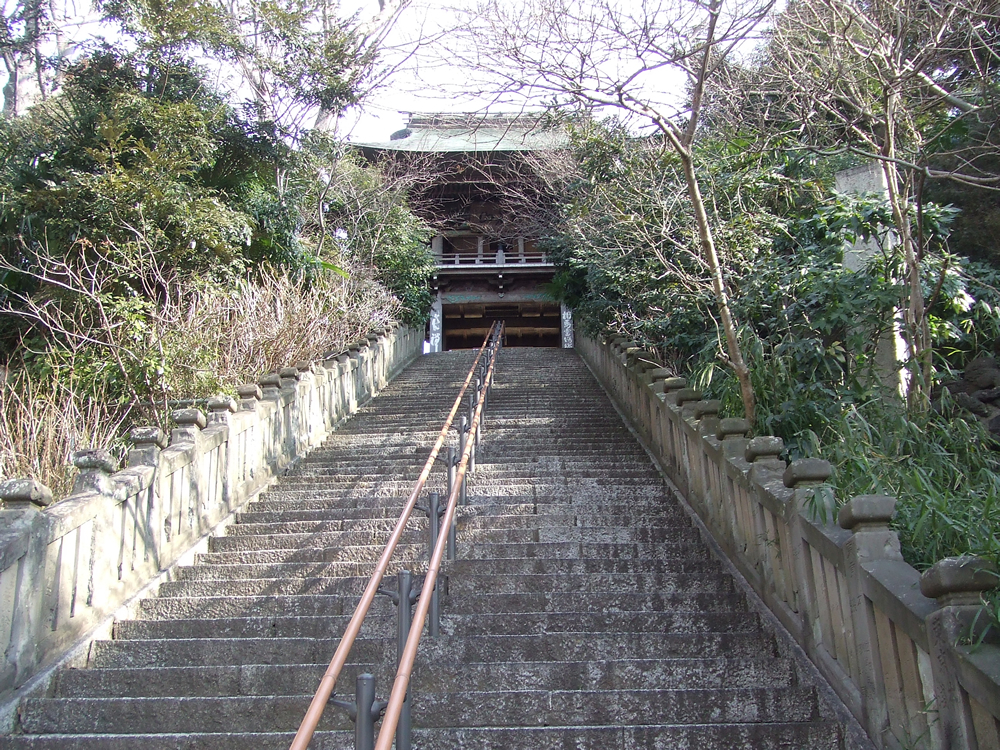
42 421
118 364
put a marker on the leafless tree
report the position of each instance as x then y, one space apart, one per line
650 60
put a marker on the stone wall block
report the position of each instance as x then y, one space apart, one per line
190 423
289 377
24 493
957 584
270 385
703 408
220 407
249 395
147 442
956 581
95 470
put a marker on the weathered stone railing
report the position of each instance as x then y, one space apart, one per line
67 567
905 652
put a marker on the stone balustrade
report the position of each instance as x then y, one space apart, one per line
906 652
67 567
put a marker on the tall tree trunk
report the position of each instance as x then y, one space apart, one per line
915 313
707 240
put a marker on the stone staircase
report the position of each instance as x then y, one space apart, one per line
584 610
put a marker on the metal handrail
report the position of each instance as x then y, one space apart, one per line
311 720
401 684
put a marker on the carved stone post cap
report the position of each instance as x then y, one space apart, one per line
25 491
94 459
222 403
304 366
147 436
189 418
271 380
731 427
807 471
289 373
250 391
764 448
674 384
660 373
373 337
684 395
867 511
704 408
626 345
959 580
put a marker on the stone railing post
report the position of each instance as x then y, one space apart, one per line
867 517
24 536
147 442
802 477
24 494
219 408
270 385
957 583
249 395
95 470
732 433
190 423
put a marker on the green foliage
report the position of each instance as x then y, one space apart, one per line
814 330
941 466
128 161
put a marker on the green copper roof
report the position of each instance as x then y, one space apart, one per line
473 133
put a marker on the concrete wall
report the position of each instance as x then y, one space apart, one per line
66 568
902 650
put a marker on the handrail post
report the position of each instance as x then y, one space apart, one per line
403 598
451 469
404 617
434 508
434 515
451 540
463 432
364 711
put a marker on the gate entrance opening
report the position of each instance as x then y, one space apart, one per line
528 324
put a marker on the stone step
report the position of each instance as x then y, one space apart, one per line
281 535
229 605
507 492
815 735
453 650
522 708
301 679
715 629
483 551
458 585
469 516
527 551
458 569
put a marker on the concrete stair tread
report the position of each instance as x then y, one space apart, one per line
524 708
817 735
300 679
